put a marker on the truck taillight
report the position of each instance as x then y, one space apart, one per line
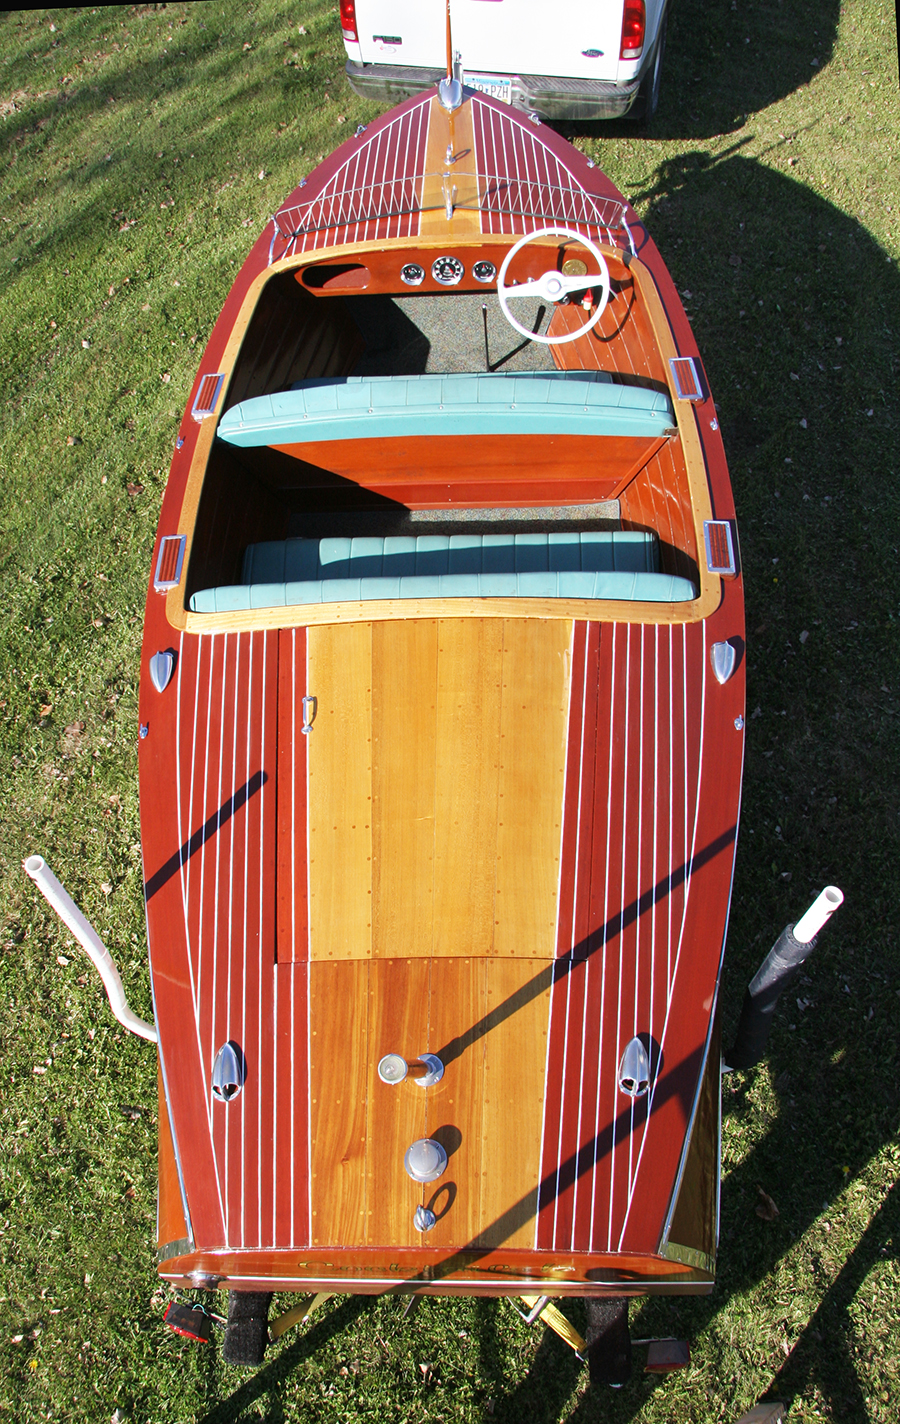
634 20
348 20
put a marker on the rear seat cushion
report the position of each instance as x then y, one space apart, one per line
620 564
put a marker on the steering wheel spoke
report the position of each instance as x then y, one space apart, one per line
553 286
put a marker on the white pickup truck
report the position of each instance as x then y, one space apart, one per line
581 59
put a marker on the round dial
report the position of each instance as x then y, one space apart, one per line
412 274
447 270
484 271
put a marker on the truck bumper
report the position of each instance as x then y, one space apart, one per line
547 95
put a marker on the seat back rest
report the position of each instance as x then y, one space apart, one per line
402 556
562 402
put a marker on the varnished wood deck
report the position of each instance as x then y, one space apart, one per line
540 745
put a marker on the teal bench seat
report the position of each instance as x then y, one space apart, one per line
618 564
377 407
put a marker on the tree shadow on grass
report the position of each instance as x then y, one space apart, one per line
95 192
266 1383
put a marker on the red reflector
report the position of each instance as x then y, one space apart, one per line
634 19
188 1321
348 20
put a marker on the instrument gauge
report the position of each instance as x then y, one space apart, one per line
412 274
484 271
447 270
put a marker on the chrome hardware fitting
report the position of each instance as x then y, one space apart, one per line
634 1070
425 1071
425 1160
739 723
392 1068
162 665
435 1070
207 396
229 1072
310 707
723 658
168 565
144 730
424 1218
685 378
719 543
450 94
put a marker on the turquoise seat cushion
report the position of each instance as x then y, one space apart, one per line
365 407
645 587
403 556
617 564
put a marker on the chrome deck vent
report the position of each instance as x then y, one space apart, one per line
724 659
229 1072
425 1160
162 665
634 1070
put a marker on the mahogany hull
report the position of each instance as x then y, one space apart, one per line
508 838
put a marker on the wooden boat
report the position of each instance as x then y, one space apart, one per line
442 706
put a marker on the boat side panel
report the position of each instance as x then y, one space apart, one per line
534 705
693 1224
642 963
171 1226
291 871
288 1070
291 337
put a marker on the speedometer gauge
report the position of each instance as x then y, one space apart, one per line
447 270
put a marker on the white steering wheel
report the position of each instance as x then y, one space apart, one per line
553 286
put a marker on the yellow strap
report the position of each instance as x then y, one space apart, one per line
556 1321
298 1314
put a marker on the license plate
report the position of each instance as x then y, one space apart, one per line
496 86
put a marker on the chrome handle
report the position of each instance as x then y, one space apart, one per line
310 706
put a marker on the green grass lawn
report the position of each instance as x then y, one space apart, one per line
143 149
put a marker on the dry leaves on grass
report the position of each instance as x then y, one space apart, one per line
765 1207
71 739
